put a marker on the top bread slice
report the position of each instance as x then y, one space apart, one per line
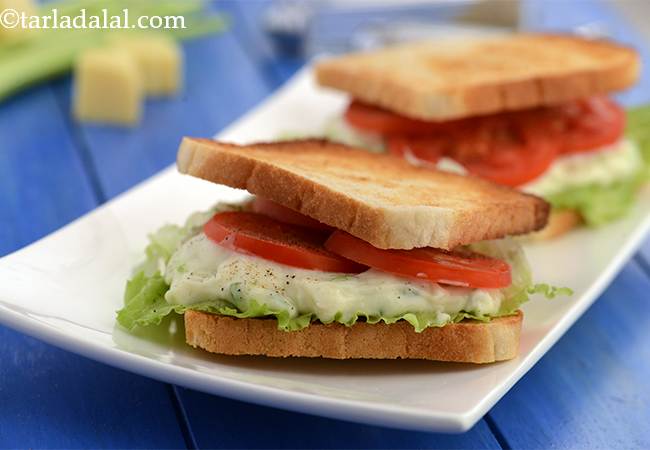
379 198
472 76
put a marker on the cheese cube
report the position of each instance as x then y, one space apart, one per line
108 87
159 58
13 30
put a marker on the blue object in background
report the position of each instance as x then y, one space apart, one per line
589 391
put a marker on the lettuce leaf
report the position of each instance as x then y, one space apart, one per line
599 204
637 128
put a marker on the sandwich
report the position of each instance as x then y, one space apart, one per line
340 253
529 111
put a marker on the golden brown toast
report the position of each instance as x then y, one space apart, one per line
466 341
466 77
379 198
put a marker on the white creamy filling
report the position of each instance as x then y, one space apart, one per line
201 270
602 167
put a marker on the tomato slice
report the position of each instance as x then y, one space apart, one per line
590 124
287 215
510 151
377 120
429 264
256 234
506 149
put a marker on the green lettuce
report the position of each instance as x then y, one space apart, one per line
599 204
638 129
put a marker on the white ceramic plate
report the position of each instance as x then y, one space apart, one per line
65 288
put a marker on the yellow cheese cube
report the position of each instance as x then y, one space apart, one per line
108 87
11 29
160 60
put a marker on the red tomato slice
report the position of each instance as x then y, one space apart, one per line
506 149
377 120
287 215
514 153
590 124
283 243
428 264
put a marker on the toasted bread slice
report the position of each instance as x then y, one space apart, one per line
460 78
379 198
466 341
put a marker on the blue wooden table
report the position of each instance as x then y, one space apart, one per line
590 391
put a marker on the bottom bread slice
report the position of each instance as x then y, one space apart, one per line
467 341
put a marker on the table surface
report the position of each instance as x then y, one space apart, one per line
591 390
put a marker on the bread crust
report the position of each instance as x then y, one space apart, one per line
379 198
468 341
560 222
461 78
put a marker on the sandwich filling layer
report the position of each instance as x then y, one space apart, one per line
603 166
186 270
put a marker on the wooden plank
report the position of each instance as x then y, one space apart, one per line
50 398
42 182
222 423
590 390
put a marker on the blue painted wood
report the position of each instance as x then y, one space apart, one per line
42 183
591 389
276 66
50 398
222 423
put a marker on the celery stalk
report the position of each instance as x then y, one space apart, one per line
52 52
